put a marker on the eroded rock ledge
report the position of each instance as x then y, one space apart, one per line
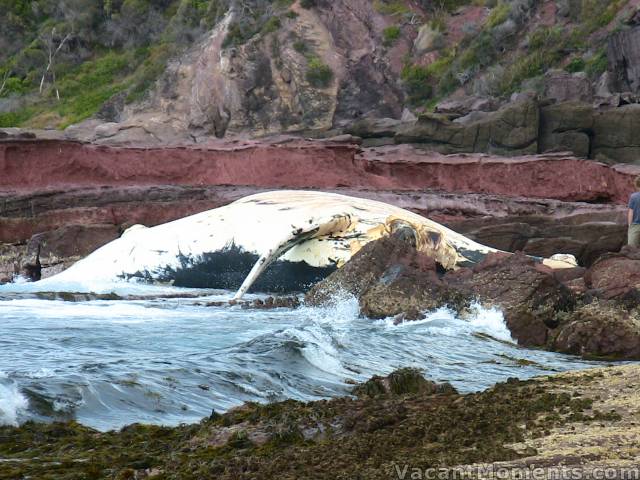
31 164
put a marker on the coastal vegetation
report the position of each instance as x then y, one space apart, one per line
511 49
61 63
66 59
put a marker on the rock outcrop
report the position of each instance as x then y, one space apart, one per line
528 293
623 52
401 382
599 330
511 130
586 235
526 127
28 165
616 275
391 279
567 127
388 265
311 69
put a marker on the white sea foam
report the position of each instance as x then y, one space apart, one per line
87 285
491 320
444 321
40 373
110 311
321 353
12 404
442 314
343 308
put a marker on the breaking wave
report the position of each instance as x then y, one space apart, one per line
107 363
12 402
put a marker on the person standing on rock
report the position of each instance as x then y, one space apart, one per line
633 216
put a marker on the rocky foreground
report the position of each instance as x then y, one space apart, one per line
401 426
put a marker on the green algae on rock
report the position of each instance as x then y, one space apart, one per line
366 437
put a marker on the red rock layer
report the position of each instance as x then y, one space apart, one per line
38 165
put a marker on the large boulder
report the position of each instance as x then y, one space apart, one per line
566 127
389 277
616 275
561 86
599 329
527 292
616 134
401 382
511 130
542 307
439 132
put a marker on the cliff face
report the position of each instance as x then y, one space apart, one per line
312 70
41 165
492 79
322 67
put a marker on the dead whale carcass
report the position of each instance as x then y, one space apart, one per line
301 236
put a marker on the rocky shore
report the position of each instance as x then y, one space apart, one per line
590 312
68 198
61 199
513 123
398 425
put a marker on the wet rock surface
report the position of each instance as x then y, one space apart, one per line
552 421
542 307
599 329
401 382
527 292
268 303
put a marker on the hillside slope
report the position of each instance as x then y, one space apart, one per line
223 67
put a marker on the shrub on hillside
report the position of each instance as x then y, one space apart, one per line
416 82
390 35
319 74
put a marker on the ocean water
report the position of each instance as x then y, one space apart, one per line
174 360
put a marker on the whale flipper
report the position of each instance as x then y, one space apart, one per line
338 223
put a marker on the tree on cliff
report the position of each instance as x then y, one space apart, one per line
50 41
